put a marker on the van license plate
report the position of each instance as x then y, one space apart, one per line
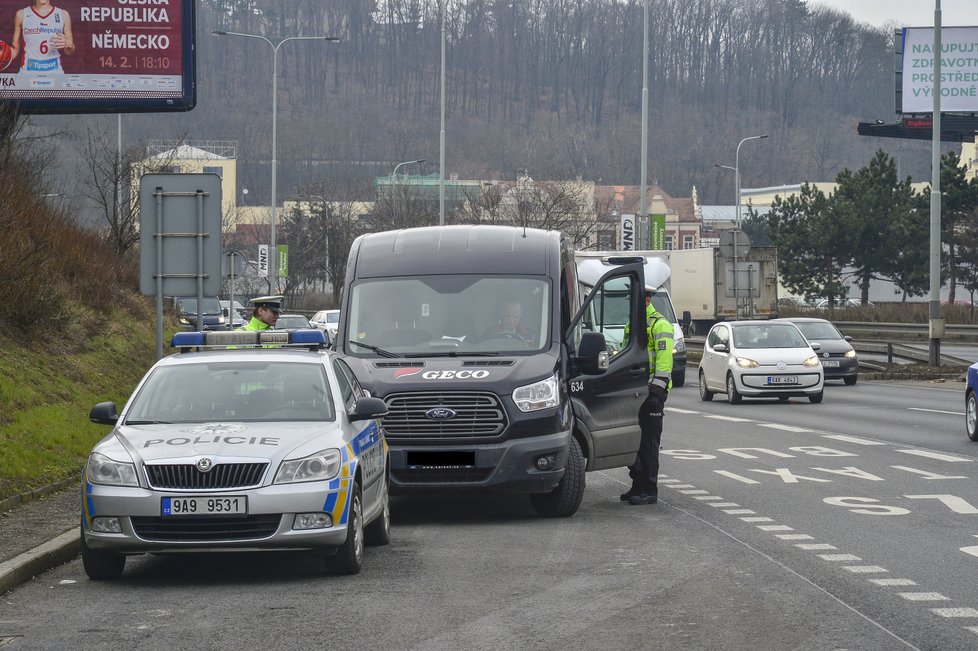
205 505
782 379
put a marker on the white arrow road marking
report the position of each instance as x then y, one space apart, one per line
973 549
936 455
937 411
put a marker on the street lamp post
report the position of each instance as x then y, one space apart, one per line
736 171
394 179
275 47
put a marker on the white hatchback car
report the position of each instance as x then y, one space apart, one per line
265 442
327 320
759 359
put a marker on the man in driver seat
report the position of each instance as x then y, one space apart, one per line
510 324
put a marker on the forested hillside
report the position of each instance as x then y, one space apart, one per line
549 86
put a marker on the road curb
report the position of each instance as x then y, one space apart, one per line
43 557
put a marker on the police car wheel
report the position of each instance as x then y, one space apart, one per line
349 556
378 532
102 566
563 501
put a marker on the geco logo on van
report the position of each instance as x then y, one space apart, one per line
455 375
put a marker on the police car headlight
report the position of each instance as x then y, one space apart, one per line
103 470
537 396
679 346
321 466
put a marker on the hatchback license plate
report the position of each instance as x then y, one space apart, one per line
205 505
831 363
782 379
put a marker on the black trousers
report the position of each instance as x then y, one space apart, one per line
645 471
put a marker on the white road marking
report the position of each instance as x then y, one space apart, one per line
928 475
937 411
973 629
923 596
955 612
725 504
886 582
795 536
864 569
739 511
936 455
740 478
839 557
669 481
758 518
852 439
707 497
774 527
787 428
681 411
682 486
693 491
732 419
811 547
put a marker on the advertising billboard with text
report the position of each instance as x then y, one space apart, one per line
97 56
959 70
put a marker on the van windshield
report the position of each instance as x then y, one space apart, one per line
460 314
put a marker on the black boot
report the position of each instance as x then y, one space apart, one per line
627 495
643 498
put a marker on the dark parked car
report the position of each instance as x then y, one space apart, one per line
213 316
836 354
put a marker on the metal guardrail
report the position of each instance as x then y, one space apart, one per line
922 329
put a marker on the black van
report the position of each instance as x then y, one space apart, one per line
493 366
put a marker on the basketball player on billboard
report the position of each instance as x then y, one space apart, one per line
46 34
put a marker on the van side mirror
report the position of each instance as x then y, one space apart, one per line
368 407
104 413
592 355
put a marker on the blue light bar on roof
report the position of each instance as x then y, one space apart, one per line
239 338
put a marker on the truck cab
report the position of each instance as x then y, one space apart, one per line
496 370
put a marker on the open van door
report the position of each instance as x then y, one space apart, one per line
608 368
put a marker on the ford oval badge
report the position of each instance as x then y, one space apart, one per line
440 413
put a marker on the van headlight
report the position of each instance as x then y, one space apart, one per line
103 470
321 466
537 396
679 346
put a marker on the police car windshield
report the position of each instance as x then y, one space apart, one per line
252 391
460 314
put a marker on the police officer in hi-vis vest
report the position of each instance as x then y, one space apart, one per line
265 314
645 471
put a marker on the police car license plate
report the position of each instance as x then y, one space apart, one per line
782 379
205 505
830 363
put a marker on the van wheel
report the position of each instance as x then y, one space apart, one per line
705 394
563 501
101 566
971 416
733 396
378 532
349 556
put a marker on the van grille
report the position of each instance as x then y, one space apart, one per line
223 475
476 415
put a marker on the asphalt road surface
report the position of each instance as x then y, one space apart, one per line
850 524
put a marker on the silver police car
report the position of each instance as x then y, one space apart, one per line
243 441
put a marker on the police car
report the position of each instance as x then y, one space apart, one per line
244 440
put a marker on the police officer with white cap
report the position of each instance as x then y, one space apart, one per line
265 314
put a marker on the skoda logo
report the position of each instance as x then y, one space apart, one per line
782 366
440 413
204 464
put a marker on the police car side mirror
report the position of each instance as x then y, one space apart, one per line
368 407
592 355
104 413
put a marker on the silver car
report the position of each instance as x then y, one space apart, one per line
269 444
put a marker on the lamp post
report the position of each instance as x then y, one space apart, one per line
394 179
736 171
273 280
643 184
441 136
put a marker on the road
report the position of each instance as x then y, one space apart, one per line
849 524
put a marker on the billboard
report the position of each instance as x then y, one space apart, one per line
97 56
959 70
628 232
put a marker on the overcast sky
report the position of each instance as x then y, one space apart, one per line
907 13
